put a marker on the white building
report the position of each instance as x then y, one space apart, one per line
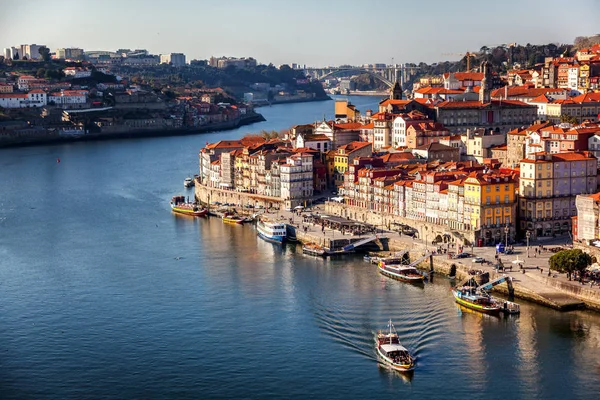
68 97
31 51
594 146
573 78
321 142
35 98
297 179
175 59
77 72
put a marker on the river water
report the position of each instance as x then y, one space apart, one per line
106 294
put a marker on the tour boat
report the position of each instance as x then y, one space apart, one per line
392 352
179 205
394 269
470 298
271 231
314 250
188 182
233 219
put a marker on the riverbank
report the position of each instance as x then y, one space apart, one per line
289 101
530 283
131 134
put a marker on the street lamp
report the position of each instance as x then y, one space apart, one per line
506 230
527 235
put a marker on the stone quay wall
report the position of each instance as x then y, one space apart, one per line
427 231
208 195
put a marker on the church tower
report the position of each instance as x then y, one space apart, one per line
396 92
484 91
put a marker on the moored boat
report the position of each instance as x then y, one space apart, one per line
468 297
314 249
188 182
476 297
233 219
180 206
270 230
391 352
394 269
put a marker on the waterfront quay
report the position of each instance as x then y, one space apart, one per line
531 280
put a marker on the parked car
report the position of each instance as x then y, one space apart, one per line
463 255
478 259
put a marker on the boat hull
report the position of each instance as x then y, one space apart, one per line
185 211
234 221
398 367
400 277
476 307
272 239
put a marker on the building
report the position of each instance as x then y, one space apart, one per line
321 143
480 142
585 107
588 208
344 156
437 151
70 53
224 62
490 201
68 97
6 87
424 133
77 72
401 123
297 180
174 59
548 185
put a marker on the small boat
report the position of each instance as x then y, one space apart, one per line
233 219
477 297
188 182
468 297
180 206
391 351
393 268
314 249
271 231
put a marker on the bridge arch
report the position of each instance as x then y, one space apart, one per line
389 83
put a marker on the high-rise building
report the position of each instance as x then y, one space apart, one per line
175 59
69 53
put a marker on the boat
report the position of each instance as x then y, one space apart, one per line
468 297
180 206
188 182
476 297
393 268
391 351
233 219
314 249
271 231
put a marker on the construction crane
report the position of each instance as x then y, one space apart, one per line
467 55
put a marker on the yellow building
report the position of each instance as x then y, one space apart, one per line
345 155
345 110
491 201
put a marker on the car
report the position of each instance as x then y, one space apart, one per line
463 255
478 259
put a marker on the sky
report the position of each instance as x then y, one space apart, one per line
311 32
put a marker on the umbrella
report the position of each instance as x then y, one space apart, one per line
517 261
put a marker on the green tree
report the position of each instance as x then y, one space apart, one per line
16 55
570 261
41 72
569 118
45 53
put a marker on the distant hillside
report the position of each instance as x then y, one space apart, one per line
586 41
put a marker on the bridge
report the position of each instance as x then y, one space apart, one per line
387 75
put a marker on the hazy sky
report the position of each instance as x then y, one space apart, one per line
312 32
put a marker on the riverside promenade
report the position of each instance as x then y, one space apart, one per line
530 273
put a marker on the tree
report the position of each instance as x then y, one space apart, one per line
569 118
16 55
41 72
45 53
570 261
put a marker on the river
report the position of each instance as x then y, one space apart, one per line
106 294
